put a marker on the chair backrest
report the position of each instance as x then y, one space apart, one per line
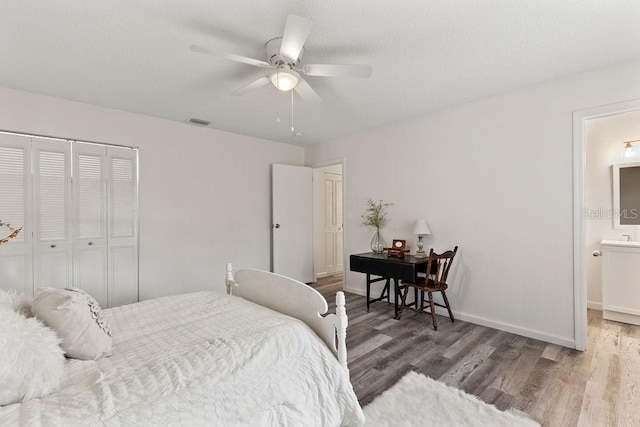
441 264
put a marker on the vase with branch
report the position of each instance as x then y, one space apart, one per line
13 232
375 215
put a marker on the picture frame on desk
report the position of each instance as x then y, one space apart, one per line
398 248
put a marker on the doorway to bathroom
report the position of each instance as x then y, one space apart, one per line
599 136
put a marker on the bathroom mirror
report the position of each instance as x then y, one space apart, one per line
626 195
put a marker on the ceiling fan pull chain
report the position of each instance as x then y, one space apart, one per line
277 97
292 128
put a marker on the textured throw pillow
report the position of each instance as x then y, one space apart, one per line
31 360
77 319
16 302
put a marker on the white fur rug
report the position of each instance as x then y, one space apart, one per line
417 400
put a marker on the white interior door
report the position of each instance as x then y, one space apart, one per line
340 230
16 270
90 234
52 214
122 225
292 215
333 222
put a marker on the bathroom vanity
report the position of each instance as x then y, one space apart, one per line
621 281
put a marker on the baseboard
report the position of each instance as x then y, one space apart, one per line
357 291
616 316
507 327
594 305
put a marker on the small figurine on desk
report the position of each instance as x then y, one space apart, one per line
398 248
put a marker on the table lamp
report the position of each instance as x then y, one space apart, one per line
421 228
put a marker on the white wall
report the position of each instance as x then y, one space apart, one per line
494 177
204 194
604 148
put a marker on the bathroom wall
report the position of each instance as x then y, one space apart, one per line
604 137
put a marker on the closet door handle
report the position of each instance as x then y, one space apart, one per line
53 246
90 243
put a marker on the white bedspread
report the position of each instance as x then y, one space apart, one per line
200 359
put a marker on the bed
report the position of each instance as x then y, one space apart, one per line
263 354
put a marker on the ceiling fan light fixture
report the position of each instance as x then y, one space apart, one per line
285 80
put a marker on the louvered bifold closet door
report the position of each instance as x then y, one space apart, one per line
90 225
52 213
122 225
15 208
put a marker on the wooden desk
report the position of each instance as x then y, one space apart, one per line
387 268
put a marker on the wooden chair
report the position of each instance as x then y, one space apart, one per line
434 282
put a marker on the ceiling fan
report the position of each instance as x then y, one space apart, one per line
283 62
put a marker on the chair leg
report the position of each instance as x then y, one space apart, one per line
446 302
433 311
404 299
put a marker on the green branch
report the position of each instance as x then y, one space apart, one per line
375 214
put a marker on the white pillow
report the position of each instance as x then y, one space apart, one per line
31 360
77 319
16 302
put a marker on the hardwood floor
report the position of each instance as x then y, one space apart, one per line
554 385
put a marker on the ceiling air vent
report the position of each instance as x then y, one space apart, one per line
199 122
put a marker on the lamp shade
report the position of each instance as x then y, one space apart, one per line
421 227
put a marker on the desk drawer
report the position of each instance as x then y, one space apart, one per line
380 265
373 266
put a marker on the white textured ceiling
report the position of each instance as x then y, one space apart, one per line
427 55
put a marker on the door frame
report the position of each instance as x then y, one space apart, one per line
580 117
340 161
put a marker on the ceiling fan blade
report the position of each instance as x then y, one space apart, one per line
295 34
230 56
307 93
251 86
328 70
